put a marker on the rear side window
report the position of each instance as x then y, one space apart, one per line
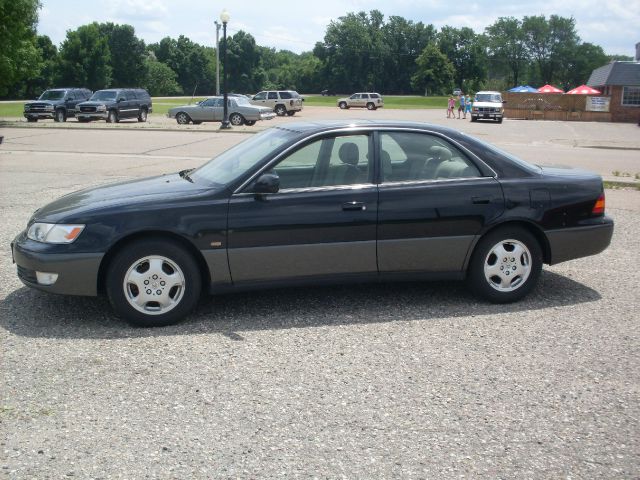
409 156
273 96
285 95
375 95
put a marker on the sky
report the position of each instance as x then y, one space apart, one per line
297 25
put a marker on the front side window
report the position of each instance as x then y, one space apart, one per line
260 96
209 102
631 96
354 96
332 161
409 156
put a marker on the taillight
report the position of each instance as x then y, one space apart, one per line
598 208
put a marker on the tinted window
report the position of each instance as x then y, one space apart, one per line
328 162
273 96
407 156
209 102
260 96
285 95
375 95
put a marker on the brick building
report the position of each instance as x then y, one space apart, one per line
621 82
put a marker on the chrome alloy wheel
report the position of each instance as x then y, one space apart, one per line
507 265
154 285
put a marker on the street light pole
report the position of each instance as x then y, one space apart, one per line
217 57
224 18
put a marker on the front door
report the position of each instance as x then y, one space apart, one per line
321 223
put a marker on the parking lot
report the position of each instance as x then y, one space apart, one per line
415 380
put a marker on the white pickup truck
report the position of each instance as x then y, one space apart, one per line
487 105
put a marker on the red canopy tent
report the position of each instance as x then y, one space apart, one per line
584 90
549 89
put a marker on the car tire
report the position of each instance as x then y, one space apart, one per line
236 119
473 119
500 120
371 106
250 123
112 116
291 113
182 118
153 283
280 110
343 105
142 115
60 116
505 265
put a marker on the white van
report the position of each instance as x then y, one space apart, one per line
487 105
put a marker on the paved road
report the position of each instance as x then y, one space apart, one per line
373 381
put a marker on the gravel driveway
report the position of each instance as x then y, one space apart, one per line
416 380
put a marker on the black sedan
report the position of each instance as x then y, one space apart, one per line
313 203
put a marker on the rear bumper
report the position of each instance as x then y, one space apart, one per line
77 272
569 243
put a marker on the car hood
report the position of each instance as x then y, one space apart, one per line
151 190
487 104
95 103
46 102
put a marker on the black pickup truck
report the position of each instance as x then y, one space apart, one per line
56 103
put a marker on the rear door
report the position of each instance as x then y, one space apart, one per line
434 200
321 223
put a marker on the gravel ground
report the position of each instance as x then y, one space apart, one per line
371 381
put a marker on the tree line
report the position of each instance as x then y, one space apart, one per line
360 51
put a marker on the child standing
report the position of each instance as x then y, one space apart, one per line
450 107
467 108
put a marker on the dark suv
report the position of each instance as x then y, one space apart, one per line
116 104
56 103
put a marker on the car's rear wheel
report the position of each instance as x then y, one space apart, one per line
250 123
182 118
280 110
505 265
60 116
112 117
371 106
142 115
291 113
236 119
153 283
343 105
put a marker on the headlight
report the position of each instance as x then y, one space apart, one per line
101 108
54 233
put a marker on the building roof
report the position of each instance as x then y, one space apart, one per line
616 73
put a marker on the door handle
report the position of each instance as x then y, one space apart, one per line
481 200
351 206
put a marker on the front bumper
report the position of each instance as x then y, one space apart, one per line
77 272
492 116
569 243
267 116
38 115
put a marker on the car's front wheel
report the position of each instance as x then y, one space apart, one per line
112 117
142 115
343 105
153 283
60 116
280 110
236 119
182 118
505 265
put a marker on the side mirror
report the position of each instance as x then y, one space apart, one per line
266 183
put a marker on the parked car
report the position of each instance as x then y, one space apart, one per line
56 103
283 102
239 109
327 93
370 101
487 105
312 203
457 91
116 104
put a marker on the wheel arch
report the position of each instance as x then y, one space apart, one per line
156 235
529 226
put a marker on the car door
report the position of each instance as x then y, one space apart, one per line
434 199
72 99
321 222
204 111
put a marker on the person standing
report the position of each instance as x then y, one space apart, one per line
451 105
461 105
467 106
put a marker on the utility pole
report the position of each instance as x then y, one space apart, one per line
217 57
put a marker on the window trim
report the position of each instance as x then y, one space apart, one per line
630 105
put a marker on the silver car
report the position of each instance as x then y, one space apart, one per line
241 112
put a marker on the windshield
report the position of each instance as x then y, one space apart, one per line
489 97
235 162
52 95
104 95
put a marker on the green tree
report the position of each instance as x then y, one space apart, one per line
244 73
127 55
160 80
45 78
467 52
584 60
192 63
20 58
85 59
435 73
507 47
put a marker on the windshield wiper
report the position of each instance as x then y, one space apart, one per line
185 174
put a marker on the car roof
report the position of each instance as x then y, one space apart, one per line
325 125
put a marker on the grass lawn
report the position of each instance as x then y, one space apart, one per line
161 105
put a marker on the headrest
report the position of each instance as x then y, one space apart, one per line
440 153
349 154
